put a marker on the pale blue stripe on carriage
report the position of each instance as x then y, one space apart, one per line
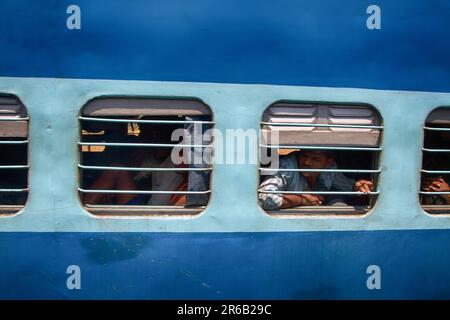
53 204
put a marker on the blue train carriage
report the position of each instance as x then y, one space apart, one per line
91 207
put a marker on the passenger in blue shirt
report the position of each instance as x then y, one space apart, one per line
285 180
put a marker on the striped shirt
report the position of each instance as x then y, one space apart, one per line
296 181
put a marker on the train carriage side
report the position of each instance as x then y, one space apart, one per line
85 210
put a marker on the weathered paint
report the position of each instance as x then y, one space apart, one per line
303 265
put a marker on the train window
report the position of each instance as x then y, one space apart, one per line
130 164
327 159
434 191
13 155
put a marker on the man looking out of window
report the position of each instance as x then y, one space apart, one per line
285 180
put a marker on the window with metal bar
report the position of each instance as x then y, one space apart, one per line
13 155
434 193
327 158
145 156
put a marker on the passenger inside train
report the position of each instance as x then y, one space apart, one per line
436 162
139 136
308 181
328 148
140 157
156 157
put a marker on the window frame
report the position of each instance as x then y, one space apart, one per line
188 106
329 211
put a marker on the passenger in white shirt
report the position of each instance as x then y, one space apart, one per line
153 157
161 180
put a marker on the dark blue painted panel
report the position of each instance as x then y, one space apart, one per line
295 42
414 264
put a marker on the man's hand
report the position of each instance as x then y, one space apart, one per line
363 186
312 200
437 185
294 200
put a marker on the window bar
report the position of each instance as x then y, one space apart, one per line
15 167
142 191
14 142
118 144
349 126
140 169
323 192
14 190
324 170
435 171
321 148
436 129
145 121
14 119
434 192
171 207
435 150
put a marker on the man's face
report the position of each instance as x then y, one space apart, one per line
160 154
159 135
314 160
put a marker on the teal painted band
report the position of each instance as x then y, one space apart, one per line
54 205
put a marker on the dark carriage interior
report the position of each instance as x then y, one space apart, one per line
13 128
